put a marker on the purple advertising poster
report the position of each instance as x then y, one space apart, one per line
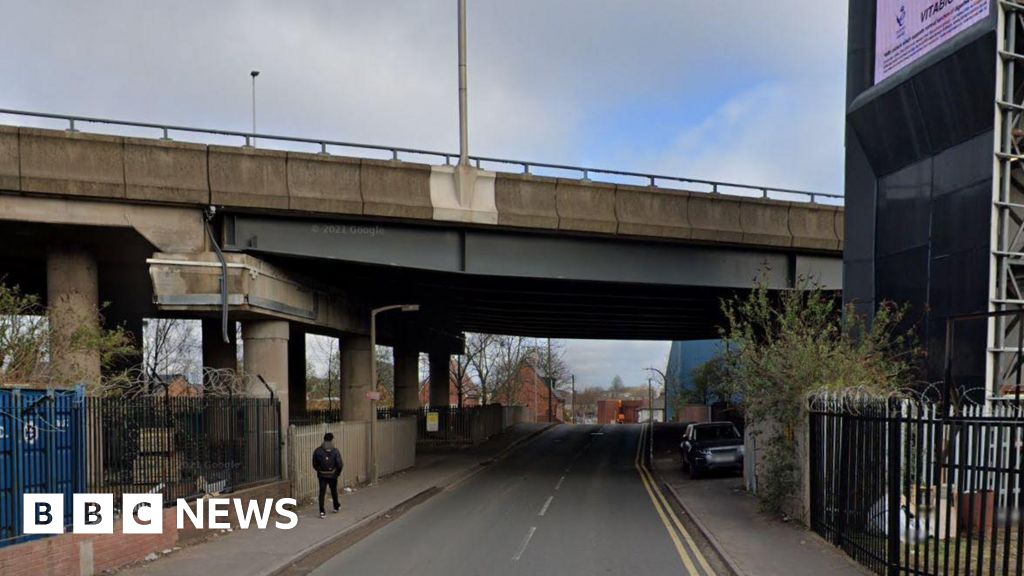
907 30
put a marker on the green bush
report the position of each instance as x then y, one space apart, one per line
26 344
785 345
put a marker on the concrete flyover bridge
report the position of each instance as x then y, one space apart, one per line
312 240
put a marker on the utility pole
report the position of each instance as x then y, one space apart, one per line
572 405
551 384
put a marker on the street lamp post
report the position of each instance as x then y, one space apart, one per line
650 416
372 395
254 74
650 394
463 99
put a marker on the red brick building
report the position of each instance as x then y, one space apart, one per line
619 411
528 390
533 393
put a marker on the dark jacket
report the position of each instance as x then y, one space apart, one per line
327 461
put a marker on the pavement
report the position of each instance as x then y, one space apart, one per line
574 501
751 543
269 552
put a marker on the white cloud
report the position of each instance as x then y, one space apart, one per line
782 134
596 362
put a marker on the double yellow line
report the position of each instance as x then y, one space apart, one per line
665 513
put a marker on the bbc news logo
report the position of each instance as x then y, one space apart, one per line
143 513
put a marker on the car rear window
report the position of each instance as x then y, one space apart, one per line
706 433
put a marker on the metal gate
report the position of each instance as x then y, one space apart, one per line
42 450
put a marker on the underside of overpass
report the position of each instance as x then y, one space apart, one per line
521 283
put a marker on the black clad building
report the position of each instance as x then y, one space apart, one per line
930 220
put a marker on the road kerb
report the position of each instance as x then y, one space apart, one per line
730 563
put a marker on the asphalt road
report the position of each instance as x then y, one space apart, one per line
574 501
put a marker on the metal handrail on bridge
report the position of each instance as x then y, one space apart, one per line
250 139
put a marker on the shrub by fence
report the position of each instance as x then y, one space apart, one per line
396 451
907 486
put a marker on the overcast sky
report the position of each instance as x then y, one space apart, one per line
739 90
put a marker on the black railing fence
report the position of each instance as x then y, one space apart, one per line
450 425
316 416
182 447
442 426
907 486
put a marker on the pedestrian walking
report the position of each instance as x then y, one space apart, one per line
328 465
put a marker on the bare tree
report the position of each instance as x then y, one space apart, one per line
386 376
323 369
482 350
513 352
548 358
170 347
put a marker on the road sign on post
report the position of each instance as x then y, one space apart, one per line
433 421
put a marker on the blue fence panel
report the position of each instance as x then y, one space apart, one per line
42 450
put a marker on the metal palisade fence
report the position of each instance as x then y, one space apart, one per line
182 447
908 486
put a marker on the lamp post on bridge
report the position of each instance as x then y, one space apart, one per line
463 96
254 74
373 394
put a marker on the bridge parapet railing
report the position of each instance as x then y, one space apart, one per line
73 123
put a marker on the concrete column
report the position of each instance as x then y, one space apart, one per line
355 377
265 353
297 372
73 297
407 379
127 294
218 354
440 380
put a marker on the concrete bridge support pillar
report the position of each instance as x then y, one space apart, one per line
217 353
126 292
297 372
440 379
355 377
73 297
266 354
407 379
